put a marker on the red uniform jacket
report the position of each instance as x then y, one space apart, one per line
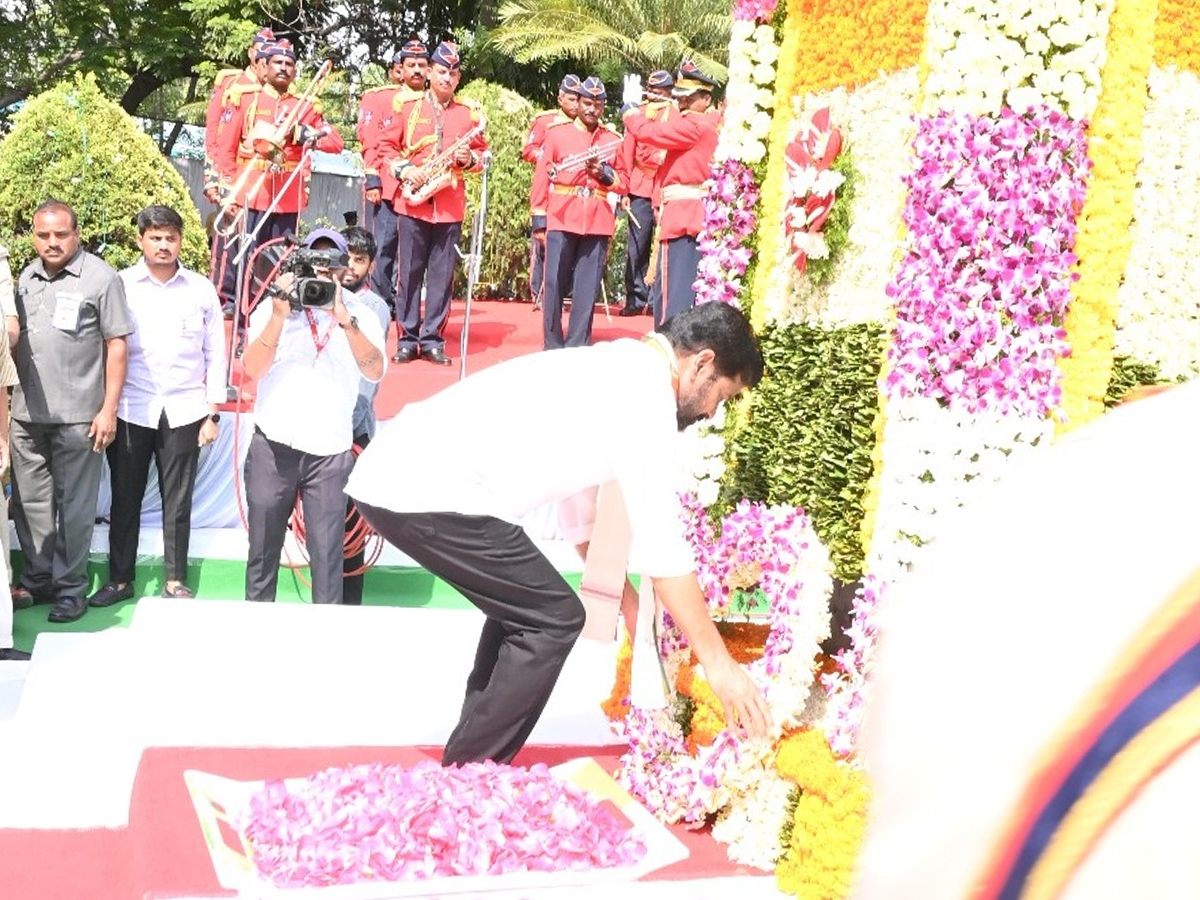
539 191
690 139
258 113
217 104
419 131
374 109
641 160
578 203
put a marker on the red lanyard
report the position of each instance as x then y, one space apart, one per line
320 341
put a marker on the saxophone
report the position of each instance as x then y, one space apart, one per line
437 169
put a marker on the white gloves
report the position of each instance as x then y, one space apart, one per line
631 94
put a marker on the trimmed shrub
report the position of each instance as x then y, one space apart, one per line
74 144
505 269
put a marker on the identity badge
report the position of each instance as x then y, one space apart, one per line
66 311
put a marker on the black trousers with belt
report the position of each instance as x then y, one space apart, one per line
275 474
575 267
175 452
533 619
426 256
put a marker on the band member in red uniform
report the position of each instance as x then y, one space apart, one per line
256 140
580 159
227 91
689 135
429 144
375 113
568 109
642 161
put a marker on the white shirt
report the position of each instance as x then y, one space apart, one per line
306 399
998 636
176 350
539 429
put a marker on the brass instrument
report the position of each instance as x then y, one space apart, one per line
436 169
267 142
602 152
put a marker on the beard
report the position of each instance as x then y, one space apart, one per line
353 284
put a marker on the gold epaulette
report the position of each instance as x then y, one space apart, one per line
233 93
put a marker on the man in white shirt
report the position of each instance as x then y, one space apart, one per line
307 362
174 382
550 437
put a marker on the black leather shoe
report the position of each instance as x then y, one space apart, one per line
437 356
68 609
110 594
12 654
404 354
633 311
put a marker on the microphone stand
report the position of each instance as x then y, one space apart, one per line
474 259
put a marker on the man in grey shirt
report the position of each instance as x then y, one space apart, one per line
71 363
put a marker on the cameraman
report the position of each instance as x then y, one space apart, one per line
307 362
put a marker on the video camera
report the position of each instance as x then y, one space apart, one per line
309 290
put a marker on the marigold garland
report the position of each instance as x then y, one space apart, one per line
616 707
1176 37
859 40
1105 237
829 820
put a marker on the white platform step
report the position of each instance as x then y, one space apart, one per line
229 673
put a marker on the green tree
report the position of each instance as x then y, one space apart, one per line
74 144
610 37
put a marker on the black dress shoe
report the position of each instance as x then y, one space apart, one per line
437 356
23 597
404 354
68 609
110 594
12 654
633 311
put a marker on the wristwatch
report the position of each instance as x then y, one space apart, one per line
214 417
353 323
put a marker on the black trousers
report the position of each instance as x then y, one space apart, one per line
533 619
574 266
637 251
426 256
382 222
275 474
176 452
537 258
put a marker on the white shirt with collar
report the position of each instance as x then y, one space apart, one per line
176 351
306 399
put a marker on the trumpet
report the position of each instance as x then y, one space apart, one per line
602 152
436 169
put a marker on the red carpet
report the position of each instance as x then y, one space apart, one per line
162 852
499 330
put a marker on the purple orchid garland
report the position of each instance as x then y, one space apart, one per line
729 222
982 291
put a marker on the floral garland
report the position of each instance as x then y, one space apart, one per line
981 293
1176 38
1021 55
1158 308
725 242
773 550
1104 240
828 822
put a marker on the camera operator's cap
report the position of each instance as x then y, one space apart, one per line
660 80
690 79
327 234
446 54
593 87
570 84
413 49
